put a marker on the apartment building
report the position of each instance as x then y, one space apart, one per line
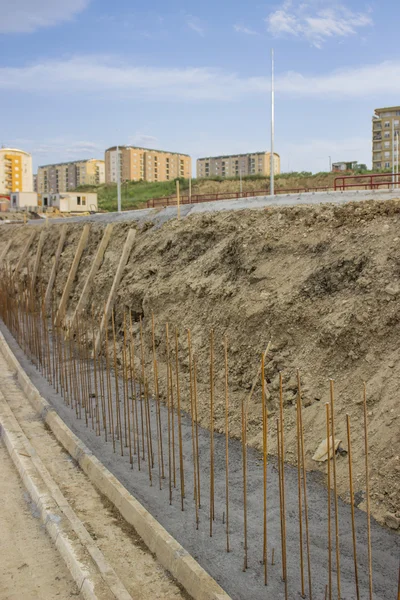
15 171
63 177
138 164
385 138
257 163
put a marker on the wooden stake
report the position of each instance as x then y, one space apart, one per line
72 273
49 290
36 266
367 493
353 524
227 445
117 279
329 501
95 265
335 489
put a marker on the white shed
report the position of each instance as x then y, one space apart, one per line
73 202
23 200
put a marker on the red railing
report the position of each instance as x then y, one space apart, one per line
198 198
367 182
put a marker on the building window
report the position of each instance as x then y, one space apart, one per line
387 123
387 134
387 154
387 144
387 165
78 200
83 200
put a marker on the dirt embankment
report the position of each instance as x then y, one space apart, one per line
322 283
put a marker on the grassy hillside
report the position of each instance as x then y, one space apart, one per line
136 194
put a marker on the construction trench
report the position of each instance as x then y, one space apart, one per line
214 367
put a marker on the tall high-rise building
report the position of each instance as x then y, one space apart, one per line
138 164
234 165
15 171
385 137
64 177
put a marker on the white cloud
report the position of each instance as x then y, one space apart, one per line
103 75
65 149
25 16
142 139
313 155
195 24
314 24
243 29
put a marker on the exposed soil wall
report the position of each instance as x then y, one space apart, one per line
322 283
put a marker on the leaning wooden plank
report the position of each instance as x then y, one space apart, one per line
49 291
95 267
5 251
24 253
117 279
72 273
38 256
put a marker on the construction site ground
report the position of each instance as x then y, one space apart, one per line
31 566
210 552
322 282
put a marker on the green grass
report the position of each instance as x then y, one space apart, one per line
134 194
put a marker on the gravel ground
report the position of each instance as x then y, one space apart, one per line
159 217
210 552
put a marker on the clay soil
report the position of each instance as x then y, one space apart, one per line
323 284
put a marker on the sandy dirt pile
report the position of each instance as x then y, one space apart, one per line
322 283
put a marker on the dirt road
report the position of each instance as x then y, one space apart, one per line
30 566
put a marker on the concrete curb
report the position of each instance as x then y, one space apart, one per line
173 557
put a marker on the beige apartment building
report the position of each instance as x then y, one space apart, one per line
63 177
257 163
15 171
138 164
385 138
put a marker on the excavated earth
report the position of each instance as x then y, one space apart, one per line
322 283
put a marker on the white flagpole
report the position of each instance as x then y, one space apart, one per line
272 169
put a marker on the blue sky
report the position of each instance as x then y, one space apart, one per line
77 76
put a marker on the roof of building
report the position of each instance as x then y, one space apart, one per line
71 162
14 150
233 155
146 150
378 110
